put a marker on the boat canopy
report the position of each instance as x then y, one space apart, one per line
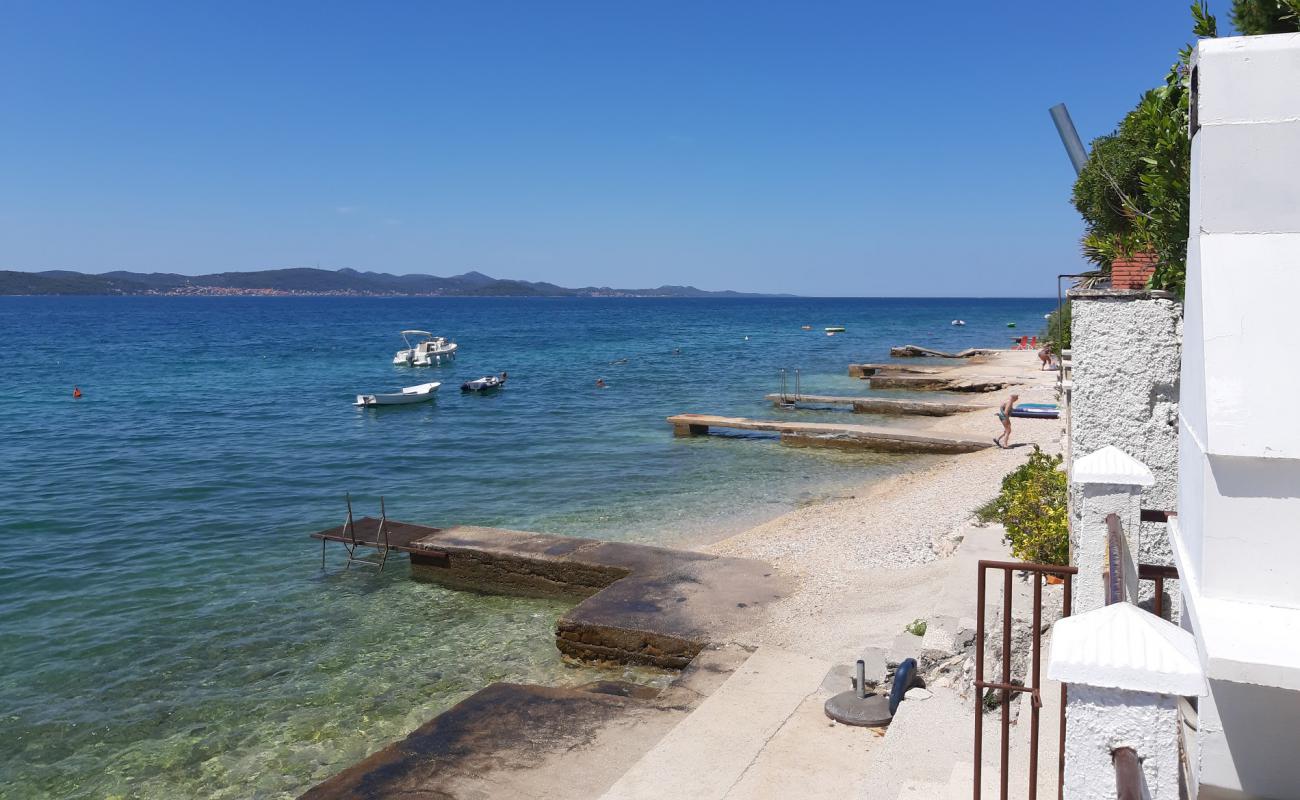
416 333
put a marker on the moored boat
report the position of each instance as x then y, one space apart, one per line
410 394
427 350
836 329
485 384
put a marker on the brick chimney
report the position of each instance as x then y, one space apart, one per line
1132 272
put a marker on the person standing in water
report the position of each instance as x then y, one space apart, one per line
1004 416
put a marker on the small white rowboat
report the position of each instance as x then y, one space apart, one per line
411 394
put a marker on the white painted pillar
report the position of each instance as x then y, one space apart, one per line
1125 669
1110 482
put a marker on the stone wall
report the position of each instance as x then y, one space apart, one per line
1126 354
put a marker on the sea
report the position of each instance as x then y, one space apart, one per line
166 627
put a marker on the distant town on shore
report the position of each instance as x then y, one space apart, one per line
314 282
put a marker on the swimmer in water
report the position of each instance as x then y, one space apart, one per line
600 383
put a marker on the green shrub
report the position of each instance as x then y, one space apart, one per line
1031 506
1057 322
916 627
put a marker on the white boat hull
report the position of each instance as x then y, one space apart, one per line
411 394
426 354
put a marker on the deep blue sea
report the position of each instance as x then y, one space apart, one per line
165 628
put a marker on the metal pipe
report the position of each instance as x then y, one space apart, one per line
1005 757
1128 773
979 678
1069 136
1066 607
1034 672
862 679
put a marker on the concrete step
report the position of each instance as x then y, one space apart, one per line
920 746
718 751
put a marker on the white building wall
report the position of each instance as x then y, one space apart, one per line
1238 534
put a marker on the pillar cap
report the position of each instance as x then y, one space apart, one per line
1112 465
1120 646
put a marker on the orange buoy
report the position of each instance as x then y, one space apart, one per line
76 392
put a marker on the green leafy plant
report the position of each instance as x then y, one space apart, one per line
1031 505
916 627
1256 17
1134 193
1057 322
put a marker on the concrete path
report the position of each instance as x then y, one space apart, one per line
761 735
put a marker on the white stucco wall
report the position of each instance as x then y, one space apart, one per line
1238 535
1098 720
1127 351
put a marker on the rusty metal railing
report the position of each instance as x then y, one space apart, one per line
1128 773
1114 575
1159 574
1005 686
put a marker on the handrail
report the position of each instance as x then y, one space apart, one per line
1114 560
1128 773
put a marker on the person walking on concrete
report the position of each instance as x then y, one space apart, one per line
1004 416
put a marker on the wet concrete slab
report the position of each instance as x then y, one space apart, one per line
517 741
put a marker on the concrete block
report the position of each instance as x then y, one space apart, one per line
1255 79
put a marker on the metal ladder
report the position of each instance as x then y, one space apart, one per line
351 542
786 400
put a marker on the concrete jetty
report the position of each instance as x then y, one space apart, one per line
844 436
639 604
867 370
877 405
940 383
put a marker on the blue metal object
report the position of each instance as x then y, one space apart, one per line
902 682
1069 136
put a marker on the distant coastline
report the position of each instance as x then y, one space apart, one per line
309 282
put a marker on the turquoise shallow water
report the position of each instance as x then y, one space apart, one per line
166 630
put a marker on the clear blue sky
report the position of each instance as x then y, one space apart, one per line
825 148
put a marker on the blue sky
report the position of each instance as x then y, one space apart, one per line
820 148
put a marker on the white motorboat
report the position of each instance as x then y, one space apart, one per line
411 394
484 384
427 350
959 322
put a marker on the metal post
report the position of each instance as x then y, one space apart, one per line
1005 756
1060 757
862 679
1036 700
979 679
1069 136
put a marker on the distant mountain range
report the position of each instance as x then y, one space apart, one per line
306 281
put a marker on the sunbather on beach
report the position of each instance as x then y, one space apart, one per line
1004 416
